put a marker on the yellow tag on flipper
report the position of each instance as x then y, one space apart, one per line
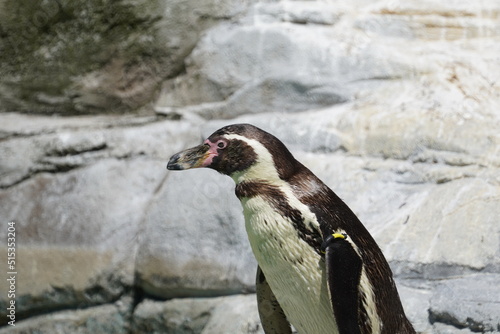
339 236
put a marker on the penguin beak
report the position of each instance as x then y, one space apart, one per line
194 157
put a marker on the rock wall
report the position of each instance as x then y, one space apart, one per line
394 105
97 56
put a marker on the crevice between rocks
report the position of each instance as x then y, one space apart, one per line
138 295
101 122
125 303
448 319
63 164
71 305
434 271
46 168
73 151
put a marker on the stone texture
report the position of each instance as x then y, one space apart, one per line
253 75
415 299
247 67
79 141
99 56
234 314
75 235
459 231
478 303
99 319
444 329
79 206
194 241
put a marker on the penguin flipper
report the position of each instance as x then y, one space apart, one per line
270 312
343 268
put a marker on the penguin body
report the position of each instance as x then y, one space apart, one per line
294 273
319 268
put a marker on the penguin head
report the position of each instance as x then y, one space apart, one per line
241 151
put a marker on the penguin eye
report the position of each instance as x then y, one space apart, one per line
221 144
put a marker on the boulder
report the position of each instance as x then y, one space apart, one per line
248 68
446 329
194 241
99 319
36 145
75 236
467 302
455 234
78 198
415 300
99 56
233 314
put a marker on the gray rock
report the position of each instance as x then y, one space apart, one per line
16 125
288 93
416 304
299 12
468 302
75 236
79 206
250 66
234 314
96 57
194 242
74 142
446 329
93 320
454 233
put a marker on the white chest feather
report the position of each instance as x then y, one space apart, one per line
294 271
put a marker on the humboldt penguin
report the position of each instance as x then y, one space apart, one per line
319 269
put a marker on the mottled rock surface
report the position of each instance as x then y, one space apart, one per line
478 303
394 105
97 56
234 314
100 319
212 257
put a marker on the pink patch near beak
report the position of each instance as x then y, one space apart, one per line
212 152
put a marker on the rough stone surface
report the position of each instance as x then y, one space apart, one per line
97 56
235 314
198 219
393 104
76 237
100 319
415 299
78 214
478 303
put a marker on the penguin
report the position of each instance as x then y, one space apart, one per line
319 269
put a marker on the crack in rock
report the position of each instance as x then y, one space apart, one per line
448 319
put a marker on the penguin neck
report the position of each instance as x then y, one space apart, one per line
267 166
262 171
255 177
